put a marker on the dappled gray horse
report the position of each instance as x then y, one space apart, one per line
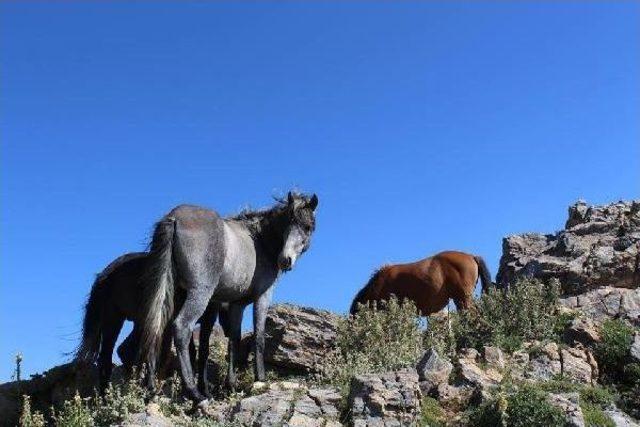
232 260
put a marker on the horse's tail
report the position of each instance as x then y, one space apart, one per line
89 347
483 273
158 290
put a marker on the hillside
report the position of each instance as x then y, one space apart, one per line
556 344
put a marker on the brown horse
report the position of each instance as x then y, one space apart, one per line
430 283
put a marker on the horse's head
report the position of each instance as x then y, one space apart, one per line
297 235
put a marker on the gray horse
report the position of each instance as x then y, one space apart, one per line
228 260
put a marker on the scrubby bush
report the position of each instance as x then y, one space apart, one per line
119 401
613 350
375 339
528 311
29 418
526 406
74 413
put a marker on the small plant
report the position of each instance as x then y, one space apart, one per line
28 418
431 414
375 339
74 413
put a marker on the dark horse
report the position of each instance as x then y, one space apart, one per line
430 283
116 296
234 260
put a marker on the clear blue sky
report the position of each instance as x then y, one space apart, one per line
421 126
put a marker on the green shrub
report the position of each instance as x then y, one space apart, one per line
374 340
431 414
528 311
613 350
594 416
527 406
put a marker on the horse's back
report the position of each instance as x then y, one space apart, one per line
458 265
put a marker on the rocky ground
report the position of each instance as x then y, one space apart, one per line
597 259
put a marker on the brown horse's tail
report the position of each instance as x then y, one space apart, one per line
483 273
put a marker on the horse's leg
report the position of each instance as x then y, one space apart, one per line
206 326
112 325
234 324
193 308
260 308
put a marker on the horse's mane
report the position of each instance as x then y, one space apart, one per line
255 218
357 299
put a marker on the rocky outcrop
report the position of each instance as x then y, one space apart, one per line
600 246
390 399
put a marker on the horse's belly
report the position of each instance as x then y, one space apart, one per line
239 264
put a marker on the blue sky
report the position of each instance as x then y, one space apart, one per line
421 126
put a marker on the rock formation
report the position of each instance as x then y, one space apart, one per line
599 246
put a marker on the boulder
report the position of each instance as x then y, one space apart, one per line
389 399
471 373
599 246
433 370
296 338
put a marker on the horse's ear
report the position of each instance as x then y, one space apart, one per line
313 203
290 198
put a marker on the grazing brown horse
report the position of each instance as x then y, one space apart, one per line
430 283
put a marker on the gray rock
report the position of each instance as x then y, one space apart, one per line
634 351
433 370
583 331
607 302
298 338
599 246
287 406
569 404
579 365
390 399
620 419
494 357
544 364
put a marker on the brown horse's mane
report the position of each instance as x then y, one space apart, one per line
360 295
